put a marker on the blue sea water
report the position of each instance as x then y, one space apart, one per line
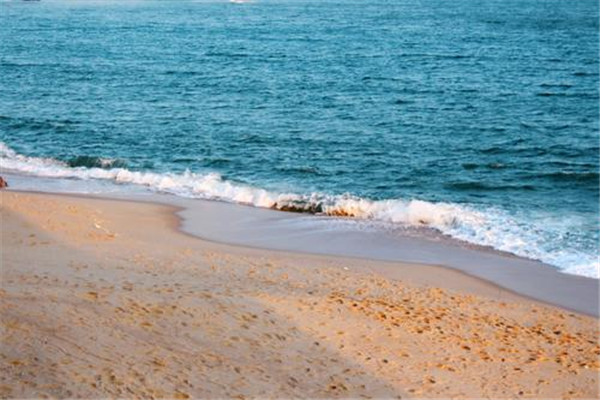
478 119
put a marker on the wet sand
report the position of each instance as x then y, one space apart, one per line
106 298
268 229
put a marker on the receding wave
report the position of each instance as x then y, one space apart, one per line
488 227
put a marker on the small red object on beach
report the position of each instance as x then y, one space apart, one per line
3 183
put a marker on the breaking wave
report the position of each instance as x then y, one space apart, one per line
488 227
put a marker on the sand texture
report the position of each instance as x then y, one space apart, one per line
103 298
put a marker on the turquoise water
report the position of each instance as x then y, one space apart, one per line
476 119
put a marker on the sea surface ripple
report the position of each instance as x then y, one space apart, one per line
478 119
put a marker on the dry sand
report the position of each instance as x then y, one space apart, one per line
103 298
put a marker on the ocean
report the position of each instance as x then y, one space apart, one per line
477 120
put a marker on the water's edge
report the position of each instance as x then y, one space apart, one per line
239 225
488 227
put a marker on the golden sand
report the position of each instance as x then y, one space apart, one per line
102 298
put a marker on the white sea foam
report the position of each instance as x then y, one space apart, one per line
496 228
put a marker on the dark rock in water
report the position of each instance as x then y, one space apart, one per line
3 183
299 207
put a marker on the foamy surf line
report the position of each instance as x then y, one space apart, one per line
489 227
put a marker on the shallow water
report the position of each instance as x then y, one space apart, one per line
479 120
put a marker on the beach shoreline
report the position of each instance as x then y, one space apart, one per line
87 279
271 230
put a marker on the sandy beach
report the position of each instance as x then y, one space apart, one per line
106 298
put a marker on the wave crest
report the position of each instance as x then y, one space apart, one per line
211 186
